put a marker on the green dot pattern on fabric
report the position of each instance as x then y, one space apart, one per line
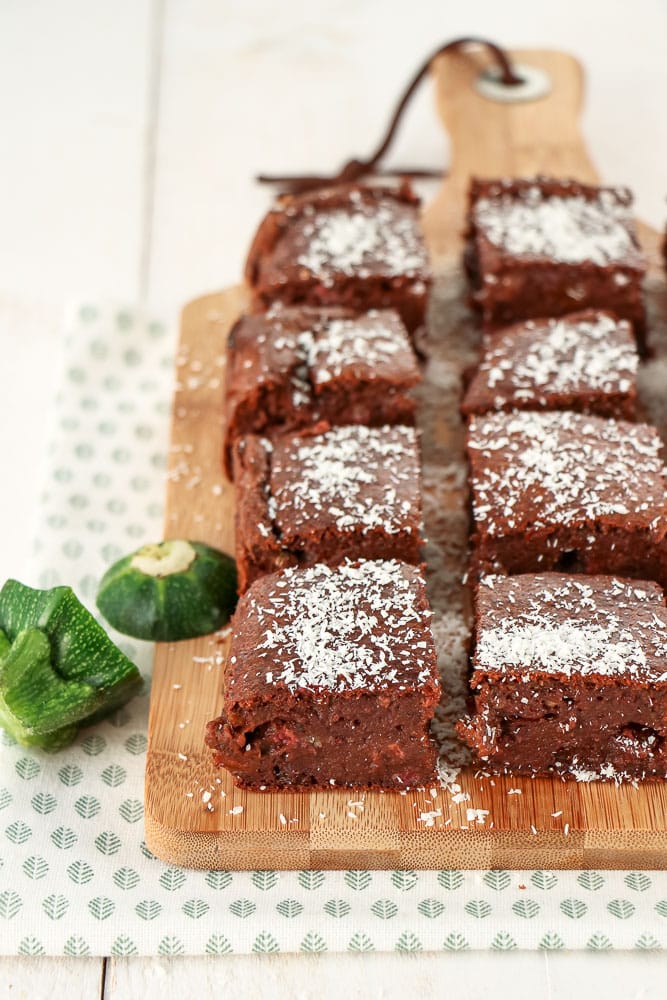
99 350
87 587
72 548
132 357
124 320
76 875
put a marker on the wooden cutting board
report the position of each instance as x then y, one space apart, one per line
194 815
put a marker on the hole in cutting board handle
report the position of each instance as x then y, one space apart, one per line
535 84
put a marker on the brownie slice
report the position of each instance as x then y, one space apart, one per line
331 680
291 368
585 361
570 677
543 246
351 492
354 246
560 490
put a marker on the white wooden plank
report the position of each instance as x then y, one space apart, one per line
243 91
623 975
329 977
29 343
73 101
521 975
516 975
51 978
74 89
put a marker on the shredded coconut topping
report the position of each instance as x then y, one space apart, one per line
301 351
580 353
535 470
568 625
356 626
353 477
343 343
361 239
569 229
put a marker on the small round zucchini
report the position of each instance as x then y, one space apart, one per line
170 590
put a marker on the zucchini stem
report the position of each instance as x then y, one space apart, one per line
164 558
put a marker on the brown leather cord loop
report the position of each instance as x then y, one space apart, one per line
355 169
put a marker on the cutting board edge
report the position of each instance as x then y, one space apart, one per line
428 850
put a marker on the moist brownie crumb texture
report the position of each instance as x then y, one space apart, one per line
561 490
539 469
570 676
356 475
569 672
291 368
544 247
584 361
331 680
351 243
348 493
568 230
353 246
332 676
364 342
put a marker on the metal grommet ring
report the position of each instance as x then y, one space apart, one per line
535 84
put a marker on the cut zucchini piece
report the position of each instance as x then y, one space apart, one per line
169 590
80 648
58 667
34 699
52 741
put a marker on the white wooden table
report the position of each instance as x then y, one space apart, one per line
131 131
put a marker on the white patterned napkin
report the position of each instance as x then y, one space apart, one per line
76 877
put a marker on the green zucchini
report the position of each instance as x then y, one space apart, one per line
168 591
34 699
58 667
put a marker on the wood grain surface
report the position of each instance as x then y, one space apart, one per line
194 815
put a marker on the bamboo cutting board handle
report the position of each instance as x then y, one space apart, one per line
494 139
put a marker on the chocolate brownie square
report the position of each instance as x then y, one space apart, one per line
331 680
542 247
585 361
563 491
292 368
570 677
353 246
350 492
